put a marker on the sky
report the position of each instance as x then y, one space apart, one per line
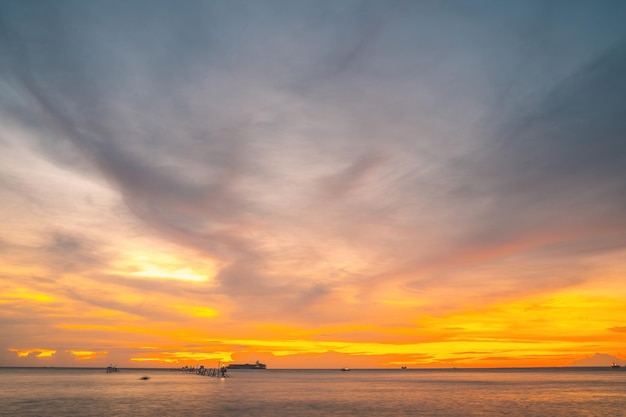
312 183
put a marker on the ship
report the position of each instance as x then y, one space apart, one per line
256 365
615 366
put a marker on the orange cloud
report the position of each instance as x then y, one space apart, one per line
37 352
183 357
87 354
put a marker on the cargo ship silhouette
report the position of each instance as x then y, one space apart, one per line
257 365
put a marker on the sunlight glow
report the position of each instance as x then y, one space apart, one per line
150 271
162 267
197 311
24 294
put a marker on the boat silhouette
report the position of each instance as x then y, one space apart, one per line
256 365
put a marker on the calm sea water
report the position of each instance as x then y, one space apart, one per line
27 392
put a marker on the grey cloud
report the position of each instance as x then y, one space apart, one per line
62 253
563 159
431 127
147 308
353 176
66 253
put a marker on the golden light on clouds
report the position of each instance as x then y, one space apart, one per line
183 357
87 354
162 267
197 311
39 353
25 294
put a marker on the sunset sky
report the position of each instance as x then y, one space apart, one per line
312 183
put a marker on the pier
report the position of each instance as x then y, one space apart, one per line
219 372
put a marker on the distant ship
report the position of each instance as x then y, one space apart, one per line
614 365
257 365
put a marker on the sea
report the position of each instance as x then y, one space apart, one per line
545 392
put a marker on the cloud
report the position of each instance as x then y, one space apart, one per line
597 359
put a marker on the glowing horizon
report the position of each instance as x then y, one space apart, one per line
312 185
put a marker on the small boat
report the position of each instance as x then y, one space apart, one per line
111 369
144 378
345 369
403 367
615 366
